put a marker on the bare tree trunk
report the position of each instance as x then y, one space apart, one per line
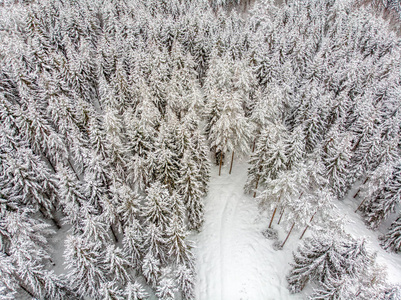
256 187
221 161
356 194
114 234
49 162
253 146
360 205
288 235
45 216
27 291
73 169
231 165
271 220
281 215
23 287
307 226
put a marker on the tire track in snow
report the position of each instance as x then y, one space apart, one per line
221 235
229 211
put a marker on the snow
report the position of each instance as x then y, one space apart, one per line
57 249
234 259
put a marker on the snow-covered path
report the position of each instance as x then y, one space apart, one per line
234 260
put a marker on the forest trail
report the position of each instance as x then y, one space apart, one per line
234 260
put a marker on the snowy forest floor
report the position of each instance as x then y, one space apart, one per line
235 261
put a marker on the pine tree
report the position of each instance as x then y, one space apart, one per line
133 243
156 209
167 162
392 239
200 155
92 227
42 137
384 202
296 147
151 269
179 248
86 272
231 131
227 129
116 265
110 291
128 204
329 261
24 241
115 141
278 192
71 196
186 281
166 289
189 187
8 284
269 158
336 158
155 243
140 130
135 291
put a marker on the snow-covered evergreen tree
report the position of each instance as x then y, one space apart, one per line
336 158
269 158
392 239
156 209
86 272
191 190
330 261
166 289
116 265
185 279
384 202
151 269
135 291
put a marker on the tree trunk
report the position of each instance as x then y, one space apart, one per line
221 161
360 205
256 187
27 291
49 162
56 223
23 287
281 215
231 165
271 220
307 226
356 145
253 146
364 182
288 235
114 234
45 216
75 172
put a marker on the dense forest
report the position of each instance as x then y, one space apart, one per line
112 113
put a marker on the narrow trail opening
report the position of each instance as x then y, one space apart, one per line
234 260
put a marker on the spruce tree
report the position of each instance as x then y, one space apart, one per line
392 239
269 158
86 273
